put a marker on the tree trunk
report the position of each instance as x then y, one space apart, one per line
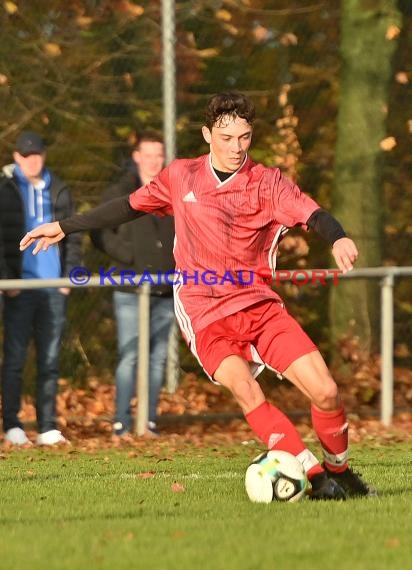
368 41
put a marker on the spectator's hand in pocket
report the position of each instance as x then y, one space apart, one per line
64 290
12 292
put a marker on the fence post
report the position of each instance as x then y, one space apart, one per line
387 349
172 362
169 78
143 348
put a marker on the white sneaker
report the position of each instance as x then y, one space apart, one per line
152 430
16 436
51 438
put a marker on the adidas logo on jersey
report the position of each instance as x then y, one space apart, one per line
190 197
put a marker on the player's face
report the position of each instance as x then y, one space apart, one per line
150 159
229 142
31 165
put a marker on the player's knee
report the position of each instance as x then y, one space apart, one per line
327 396
235 381
234 373
245 390
248 394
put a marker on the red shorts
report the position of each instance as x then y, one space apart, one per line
263 334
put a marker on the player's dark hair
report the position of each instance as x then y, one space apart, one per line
230 104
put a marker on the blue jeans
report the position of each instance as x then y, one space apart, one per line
126 306
37 314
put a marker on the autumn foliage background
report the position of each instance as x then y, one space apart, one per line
87 75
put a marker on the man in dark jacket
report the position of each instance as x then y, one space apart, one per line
143 246
30 195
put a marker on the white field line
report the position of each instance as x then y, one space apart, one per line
160 474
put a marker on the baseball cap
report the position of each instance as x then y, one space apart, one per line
29 143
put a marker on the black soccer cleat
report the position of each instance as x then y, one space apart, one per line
326 489
351 483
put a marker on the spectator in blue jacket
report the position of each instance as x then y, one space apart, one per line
30 194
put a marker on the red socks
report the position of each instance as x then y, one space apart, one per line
277 432
332 431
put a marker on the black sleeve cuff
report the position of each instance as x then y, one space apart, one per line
326 226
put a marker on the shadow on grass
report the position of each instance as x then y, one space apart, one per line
128 515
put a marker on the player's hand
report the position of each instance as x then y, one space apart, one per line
64 290
46 234
12 293
345 253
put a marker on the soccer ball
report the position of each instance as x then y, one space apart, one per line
275 476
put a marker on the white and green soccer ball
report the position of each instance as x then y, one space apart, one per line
275 476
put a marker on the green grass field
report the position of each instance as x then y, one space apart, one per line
187 509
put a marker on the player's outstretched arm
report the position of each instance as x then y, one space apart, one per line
109 214
345 253
46 234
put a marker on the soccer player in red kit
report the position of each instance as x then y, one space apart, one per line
230 214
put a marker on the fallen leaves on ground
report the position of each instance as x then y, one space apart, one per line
202 414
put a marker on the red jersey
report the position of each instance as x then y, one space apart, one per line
225 231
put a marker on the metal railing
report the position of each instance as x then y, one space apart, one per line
387 275
142 375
